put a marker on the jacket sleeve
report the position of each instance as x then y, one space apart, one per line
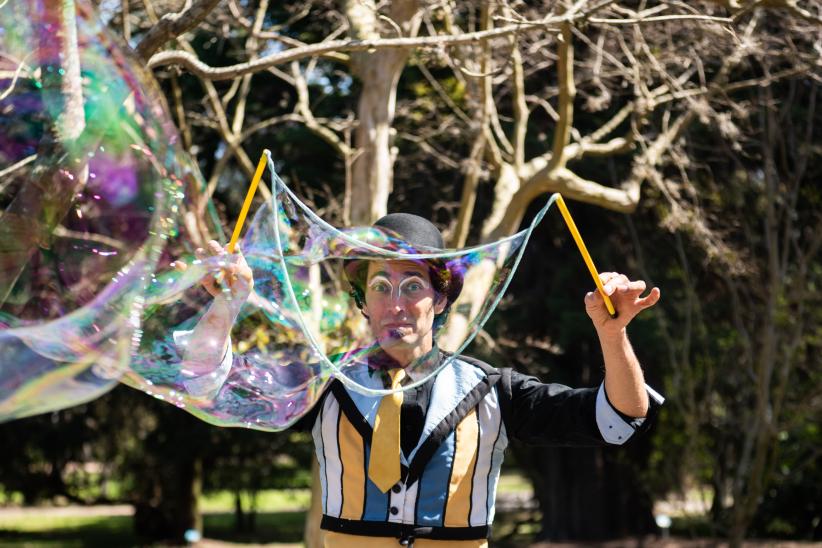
540 413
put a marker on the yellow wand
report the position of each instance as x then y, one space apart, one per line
585 255
247 204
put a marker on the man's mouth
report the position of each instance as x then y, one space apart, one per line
396 325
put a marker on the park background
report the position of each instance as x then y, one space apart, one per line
683 134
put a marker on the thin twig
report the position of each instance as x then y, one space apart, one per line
14 167
194 65
17 72
660 18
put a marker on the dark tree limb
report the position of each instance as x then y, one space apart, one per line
192 63
174 24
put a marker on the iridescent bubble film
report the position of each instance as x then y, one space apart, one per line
322 302
89 178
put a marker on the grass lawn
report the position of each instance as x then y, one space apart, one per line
69 531
513 482
115 531
280 518
272 500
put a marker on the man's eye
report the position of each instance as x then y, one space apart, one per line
380 288
413 286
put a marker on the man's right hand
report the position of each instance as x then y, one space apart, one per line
235 278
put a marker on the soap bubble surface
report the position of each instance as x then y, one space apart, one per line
90 179
262 359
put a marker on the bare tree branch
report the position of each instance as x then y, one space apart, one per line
521 111
14 167
567 93
659 19
791 6
172 25
245 85
231 139
474 167
192 63
304 109
21 65
273 32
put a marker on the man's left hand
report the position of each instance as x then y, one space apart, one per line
625 296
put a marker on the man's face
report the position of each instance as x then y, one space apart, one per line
401 304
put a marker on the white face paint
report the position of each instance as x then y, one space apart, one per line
410 287
401 304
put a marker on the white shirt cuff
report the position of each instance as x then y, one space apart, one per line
612 426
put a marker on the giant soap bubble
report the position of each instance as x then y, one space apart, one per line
89 178
263 361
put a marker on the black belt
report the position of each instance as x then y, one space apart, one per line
403 532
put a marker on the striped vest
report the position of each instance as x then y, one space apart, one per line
449 480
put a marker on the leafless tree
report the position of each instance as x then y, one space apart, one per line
645 72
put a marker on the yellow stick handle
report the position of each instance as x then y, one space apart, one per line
248 198
585 255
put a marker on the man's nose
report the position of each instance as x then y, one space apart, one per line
397 298
397 303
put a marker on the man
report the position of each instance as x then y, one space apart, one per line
420 467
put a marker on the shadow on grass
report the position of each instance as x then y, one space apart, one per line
117 531
512 529
114 531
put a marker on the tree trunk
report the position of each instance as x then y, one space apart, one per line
373 168
239 514
170 478
170 505
587 494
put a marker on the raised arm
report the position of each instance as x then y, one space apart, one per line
206 346
624 382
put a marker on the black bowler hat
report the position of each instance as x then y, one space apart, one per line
415 231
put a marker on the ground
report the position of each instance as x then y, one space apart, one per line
281 517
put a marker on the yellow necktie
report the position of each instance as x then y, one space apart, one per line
384 462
